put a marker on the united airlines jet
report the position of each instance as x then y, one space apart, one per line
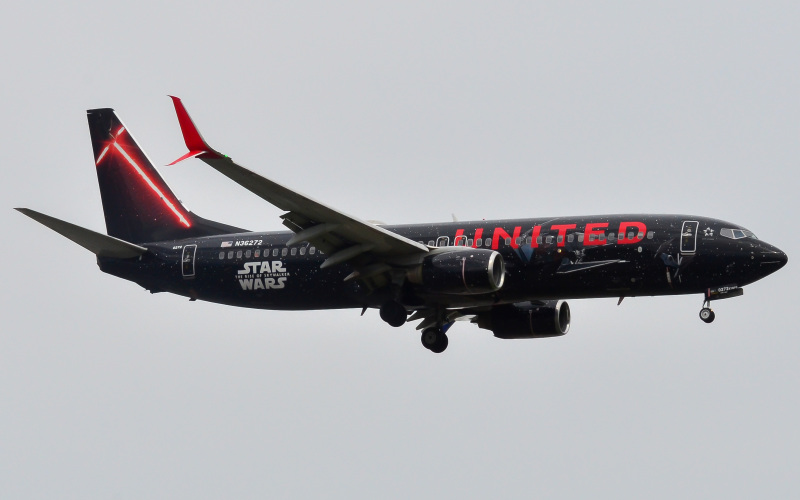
511 277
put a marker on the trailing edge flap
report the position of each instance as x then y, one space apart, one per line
584 266
304 212
100 244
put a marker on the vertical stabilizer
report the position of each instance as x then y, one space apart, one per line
138 205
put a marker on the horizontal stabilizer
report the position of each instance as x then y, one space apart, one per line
100 244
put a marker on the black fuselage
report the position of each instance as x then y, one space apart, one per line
545 258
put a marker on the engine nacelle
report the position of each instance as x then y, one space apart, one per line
460 271
527 320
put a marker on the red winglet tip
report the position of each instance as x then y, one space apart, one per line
190 154
191 136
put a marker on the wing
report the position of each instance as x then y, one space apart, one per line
344 238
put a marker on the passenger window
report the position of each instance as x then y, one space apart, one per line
257 254
430 243
549 240
274 252
239 254
570 238
508 242
312 250
469 242
221 255
640 235
247 254
602 236
518 241
479 243
580 238
284 252
538 240
488 242
650 235
294 250
611 236
302 250
630 235
230 254
560 239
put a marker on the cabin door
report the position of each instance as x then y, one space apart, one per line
187 261
689 236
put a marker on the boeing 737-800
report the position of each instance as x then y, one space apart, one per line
511 277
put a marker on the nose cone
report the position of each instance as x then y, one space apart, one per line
771 259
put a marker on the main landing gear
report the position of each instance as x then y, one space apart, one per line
394 313
435 339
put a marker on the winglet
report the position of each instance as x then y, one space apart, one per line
191 136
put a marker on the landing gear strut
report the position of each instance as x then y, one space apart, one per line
394 313
434 339
706 314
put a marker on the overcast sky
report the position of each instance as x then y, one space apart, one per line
401 114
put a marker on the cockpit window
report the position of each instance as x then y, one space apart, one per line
736 234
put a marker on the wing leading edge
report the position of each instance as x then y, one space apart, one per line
343 237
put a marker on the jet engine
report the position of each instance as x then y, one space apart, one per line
460 271
526 320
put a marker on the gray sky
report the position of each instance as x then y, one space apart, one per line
402 114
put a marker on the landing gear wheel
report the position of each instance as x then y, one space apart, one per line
394 313
434 339
441 345
429 337
707 315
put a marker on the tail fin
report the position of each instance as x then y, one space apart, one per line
138 205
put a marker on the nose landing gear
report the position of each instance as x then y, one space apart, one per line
707 315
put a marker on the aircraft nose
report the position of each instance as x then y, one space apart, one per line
772 258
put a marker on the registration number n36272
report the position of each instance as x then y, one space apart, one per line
247 243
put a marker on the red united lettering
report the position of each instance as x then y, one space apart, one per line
459 234
562 232
478 237
594 229
535 236
499 232
638 234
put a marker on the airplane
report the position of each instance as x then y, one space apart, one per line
511 277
